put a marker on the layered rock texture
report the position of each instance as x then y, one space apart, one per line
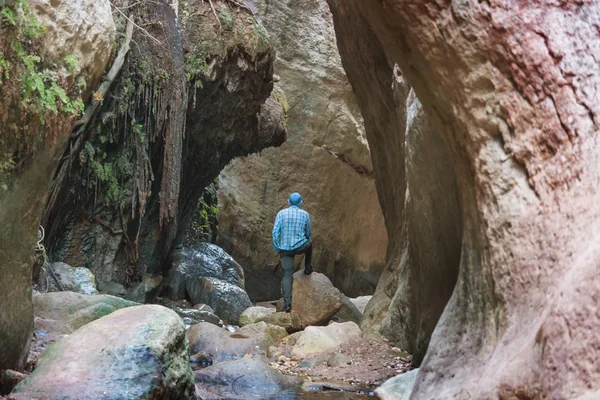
326 159
510 87
192 93
41 81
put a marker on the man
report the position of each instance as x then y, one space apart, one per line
292 235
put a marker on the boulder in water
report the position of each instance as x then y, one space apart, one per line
146 290
193 316
398 387
72 279
206 260
247 378
228 300
135 353
319 339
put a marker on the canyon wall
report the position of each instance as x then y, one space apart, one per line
45 74
326 158
511 88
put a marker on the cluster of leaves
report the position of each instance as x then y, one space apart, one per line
206 221
40 87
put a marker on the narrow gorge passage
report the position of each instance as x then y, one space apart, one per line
315 199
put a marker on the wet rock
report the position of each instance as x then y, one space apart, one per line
338 360
398 387
319 339
146 290
255 314
220 344
228 300
315 300
272 333
310 363
203 307
205 260
247 378
193 316
135 353
70 279
64 312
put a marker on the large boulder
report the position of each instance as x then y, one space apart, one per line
326 158
60 276
204 260
227 300
319 339
65 312
512 90
315 300
247 378
146 290
192 316
135 353
255 314
35 125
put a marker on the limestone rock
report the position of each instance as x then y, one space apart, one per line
112 288
228 300
255 314
71 279
146 290
204 260
30 152
319 339
290 321
242 379
291 339
139 352
361 302
512 94
326 158
272 334
315 300
398 387
64 312
193 316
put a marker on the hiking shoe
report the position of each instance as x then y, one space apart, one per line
287 309
307 271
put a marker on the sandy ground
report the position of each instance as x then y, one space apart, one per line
372 362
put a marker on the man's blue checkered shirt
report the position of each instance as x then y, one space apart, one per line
292 225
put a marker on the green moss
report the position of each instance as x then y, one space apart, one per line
280 97
226 18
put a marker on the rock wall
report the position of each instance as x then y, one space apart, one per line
511 88
326 158
193 93
42 76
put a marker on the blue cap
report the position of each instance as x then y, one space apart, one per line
295 199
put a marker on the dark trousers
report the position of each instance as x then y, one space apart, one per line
287 264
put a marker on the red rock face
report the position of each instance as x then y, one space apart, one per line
512 87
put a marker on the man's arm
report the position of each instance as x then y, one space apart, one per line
308 228
276 233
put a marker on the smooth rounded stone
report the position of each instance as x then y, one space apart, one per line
320 339
71 279
398 387
315 300
273 334
255 314
228 300
246 378
338 360
273 352
310 363
361 302
205 260
146 290
64 312
192 316
112 288
135 353
290 321
219 344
